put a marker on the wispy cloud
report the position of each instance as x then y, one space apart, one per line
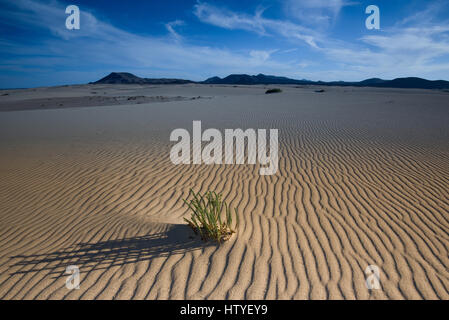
317 13
171 29
425 17
261 55
256 23
404 51
230 20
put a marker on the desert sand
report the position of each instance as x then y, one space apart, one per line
363 180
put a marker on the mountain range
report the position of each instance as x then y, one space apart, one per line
244 79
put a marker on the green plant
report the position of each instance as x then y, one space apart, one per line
207 220
275 90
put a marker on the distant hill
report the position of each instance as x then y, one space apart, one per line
245 79
412 83
259 79
372 82
129 78
415 83
120 78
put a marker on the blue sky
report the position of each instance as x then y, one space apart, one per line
303 39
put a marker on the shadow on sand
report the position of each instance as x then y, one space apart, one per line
177 239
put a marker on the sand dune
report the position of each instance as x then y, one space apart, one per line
363 179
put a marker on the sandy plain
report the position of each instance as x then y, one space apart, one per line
86 180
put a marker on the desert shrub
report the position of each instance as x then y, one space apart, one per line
211 216
275 90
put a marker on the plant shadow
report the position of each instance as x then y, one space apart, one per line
177 239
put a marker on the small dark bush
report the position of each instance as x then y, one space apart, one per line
275 90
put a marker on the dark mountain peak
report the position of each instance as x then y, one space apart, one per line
239 79
129 78
213 80
372 81
120 78
122 74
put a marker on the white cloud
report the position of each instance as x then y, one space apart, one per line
402 52
261 55
318 13
289 50
254 23
36 14
170 27
426 16
229 20
303 64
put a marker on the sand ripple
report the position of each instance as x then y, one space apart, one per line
344 197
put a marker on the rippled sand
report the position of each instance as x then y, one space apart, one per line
363 179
